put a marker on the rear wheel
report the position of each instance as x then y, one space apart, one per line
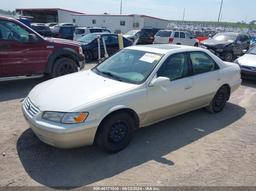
219 101
64 66
115 132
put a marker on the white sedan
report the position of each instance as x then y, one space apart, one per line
137 87
247 64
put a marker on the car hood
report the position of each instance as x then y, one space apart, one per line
62 41
247 60
72 91
212 42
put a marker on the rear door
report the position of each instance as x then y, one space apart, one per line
206 78
176 39
19 56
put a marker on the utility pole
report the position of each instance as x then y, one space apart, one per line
121 7
221 5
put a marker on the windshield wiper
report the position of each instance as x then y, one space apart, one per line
111 75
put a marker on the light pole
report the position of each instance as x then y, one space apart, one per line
121 7
221 5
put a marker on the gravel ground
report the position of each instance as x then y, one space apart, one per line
195 149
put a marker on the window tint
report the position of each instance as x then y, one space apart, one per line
12 31
175 67
110 39
177 35
202 63
95 30
164 33
182 35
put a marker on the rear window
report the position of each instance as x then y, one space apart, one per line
164 33
80 31
95 30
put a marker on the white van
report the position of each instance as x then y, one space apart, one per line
82 31
175 37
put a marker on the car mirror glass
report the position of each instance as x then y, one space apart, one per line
32 38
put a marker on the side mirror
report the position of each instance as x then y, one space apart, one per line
32 37
160 82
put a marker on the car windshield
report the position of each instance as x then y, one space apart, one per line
252 51
88 38
164 33
225 37
132 32
131 66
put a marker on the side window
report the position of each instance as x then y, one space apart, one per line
175 67
202 63
176 35
12 31
182 35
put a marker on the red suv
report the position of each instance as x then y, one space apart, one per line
24 52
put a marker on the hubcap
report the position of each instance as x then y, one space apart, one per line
118 132
65 69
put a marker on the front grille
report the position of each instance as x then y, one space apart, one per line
31 109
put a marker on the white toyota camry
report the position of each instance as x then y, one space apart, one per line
136 87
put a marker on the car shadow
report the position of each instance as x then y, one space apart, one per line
17 89
73 168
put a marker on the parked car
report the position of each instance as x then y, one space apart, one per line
90 45
137 87
175 37
82 31
247 64
227 45
132 35
24 52
146 36
66 32
42 29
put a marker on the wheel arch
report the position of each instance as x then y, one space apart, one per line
60 53
118 109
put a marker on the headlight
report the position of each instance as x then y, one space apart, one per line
80 50
66 118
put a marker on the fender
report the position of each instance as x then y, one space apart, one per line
61 52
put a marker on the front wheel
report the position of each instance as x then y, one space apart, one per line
64 66
229 57
115 132
219 101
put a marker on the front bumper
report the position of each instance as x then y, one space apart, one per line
62 137
81 61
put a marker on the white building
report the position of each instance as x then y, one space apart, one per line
119 23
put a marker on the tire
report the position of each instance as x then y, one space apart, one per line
88 56
229 57
115 132
64 66
219 101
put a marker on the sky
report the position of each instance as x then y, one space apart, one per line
200 10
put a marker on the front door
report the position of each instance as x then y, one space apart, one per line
164 102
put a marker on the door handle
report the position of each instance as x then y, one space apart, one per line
188 87
219 79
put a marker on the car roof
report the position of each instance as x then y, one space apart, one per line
163 48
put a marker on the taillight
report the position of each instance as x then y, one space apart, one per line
170 40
